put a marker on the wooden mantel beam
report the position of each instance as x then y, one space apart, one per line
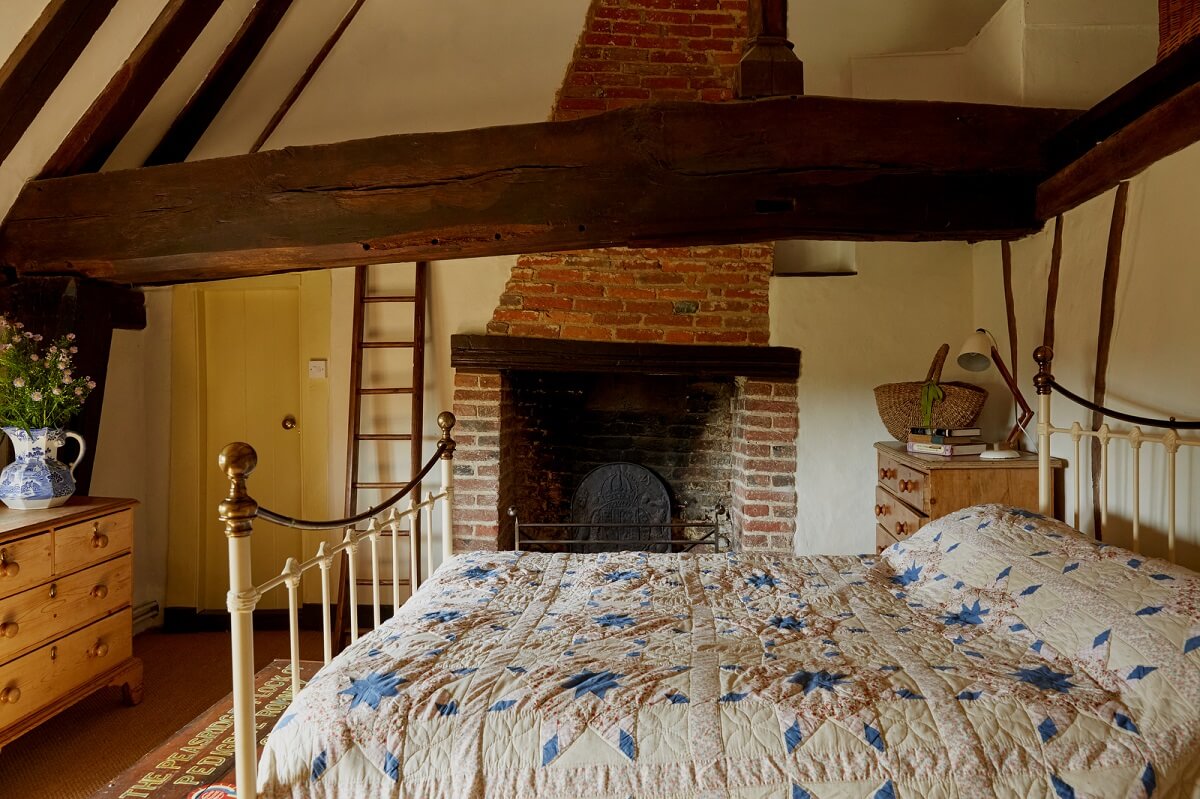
652 175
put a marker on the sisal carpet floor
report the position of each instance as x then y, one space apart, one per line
78 751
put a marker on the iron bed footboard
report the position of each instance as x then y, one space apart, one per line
238 512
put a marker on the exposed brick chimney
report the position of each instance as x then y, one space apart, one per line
631 52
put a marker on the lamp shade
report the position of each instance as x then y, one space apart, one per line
975 353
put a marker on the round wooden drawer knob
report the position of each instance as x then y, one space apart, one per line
99 540
9 629
8 568
98 650
901 528
100 591
10 696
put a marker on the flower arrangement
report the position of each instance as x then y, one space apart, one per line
38 387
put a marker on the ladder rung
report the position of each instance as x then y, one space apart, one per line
391 298
384 437
387 345
385 391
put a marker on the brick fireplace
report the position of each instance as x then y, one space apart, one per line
659 356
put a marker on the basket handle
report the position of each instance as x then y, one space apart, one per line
935 368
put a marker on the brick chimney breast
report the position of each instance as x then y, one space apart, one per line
630 52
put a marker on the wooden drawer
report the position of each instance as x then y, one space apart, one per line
26 563
39 678
35 616
889 472
912 487
883 539
896 517
92 541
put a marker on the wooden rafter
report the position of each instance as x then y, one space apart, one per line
1151 117
112 114
206 102
309 71
653 175
41 59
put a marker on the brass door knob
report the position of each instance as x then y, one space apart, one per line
100 591
11 695
9 629
289 422
98 650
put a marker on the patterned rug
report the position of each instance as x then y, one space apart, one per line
197 762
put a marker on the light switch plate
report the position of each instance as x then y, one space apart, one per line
316 368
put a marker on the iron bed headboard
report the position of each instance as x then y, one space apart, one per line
1170 441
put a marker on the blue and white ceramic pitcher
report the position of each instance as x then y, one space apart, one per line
36 478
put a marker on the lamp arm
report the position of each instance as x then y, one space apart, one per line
1026 414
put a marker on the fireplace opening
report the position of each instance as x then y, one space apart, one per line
564 426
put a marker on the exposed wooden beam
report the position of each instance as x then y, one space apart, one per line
41 59
112 114
1151 117
1108 310
206 102
652 175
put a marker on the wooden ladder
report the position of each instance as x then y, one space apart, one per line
415 391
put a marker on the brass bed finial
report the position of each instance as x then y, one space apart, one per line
445 421
237 510
1043 380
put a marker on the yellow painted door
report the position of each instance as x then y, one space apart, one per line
252 364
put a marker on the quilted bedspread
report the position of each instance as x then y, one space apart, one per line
994 653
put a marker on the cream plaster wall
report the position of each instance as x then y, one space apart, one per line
880 326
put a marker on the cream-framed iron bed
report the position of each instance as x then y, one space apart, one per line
239 510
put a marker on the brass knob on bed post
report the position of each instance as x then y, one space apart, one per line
446 422
237 510
1043 380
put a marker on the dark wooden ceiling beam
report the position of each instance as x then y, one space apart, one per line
653 175
112 114
1151 117
208 99
41 59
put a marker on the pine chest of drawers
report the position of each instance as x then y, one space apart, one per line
912 490
65 619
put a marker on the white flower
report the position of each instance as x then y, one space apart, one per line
53 349
70 337
33 356
38 337
79 392
19 382
28 334
56 391
91 384
66 379
74 350
36 396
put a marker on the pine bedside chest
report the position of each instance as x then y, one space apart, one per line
65 617
912 489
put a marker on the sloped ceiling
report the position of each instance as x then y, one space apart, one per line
420 65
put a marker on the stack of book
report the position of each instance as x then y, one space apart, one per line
945 441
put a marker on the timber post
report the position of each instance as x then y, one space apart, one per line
446 421
238 511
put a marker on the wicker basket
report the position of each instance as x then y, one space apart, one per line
900 403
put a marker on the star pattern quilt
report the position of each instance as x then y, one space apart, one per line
996 653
